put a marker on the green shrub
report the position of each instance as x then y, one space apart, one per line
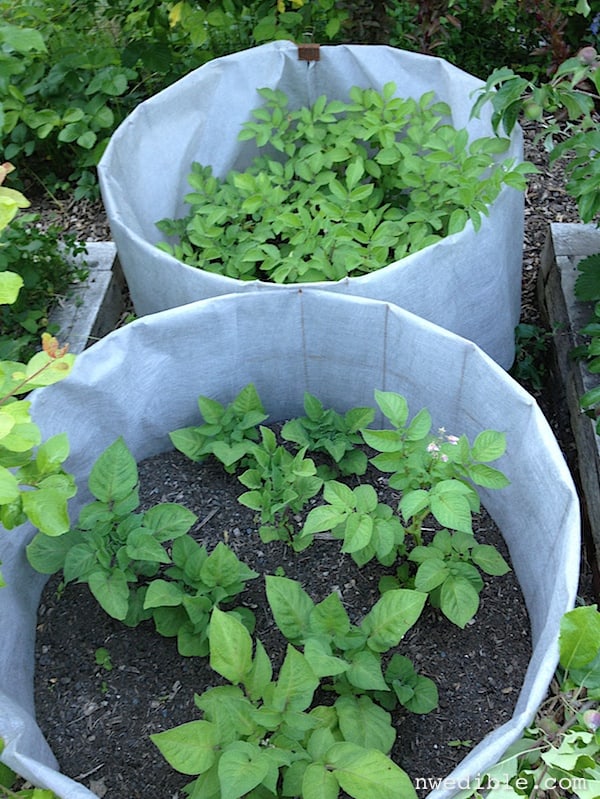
45 261
530 36
70 73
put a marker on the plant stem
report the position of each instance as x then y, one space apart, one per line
24 382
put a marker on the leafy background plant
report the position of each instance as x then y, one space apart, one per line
531 37
63 92
565 108
587 289
46 260
33 484
558 754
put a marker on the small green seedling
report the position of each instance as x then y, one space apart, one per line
227 432
103 658
334 434
280 485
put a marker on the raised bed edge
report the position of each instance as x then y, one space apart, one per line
565 246
94 306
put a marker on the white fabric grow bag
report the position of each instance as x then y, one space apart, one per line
469 283
144 380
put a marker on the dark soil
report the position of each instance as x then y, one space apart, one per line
98 721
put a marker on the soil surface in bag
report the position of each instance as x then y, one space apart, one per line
98 721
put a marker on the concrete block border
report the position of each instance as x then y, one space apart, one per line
97 303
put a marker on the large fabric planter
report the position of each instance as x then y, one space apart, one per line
469 283
144 380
